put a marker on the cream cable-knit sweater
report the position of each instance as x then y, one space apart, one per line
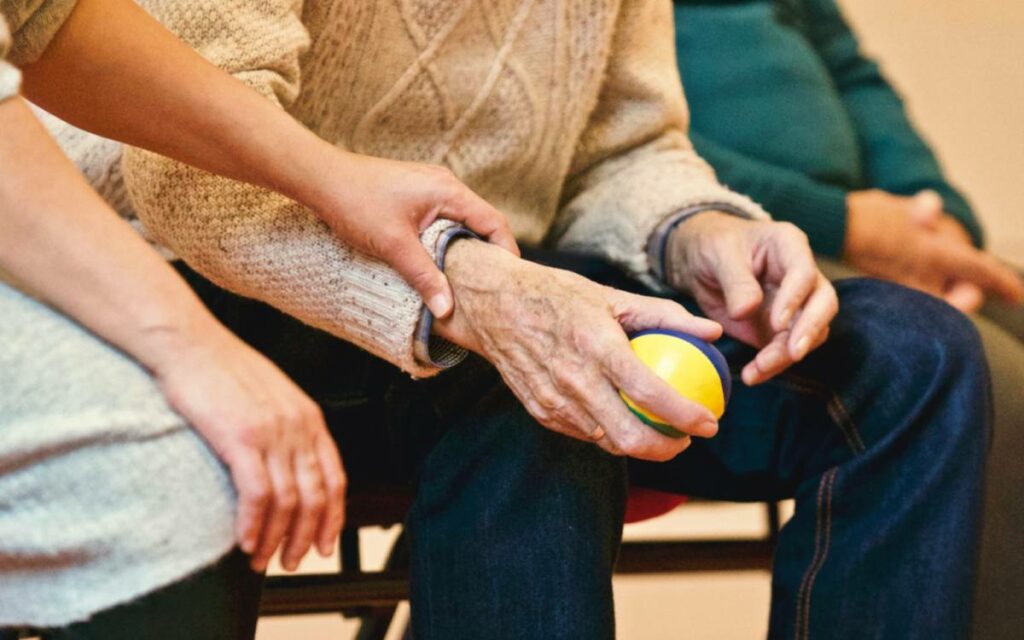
567 116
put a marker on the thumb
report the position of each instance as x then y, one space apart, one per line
926 208
965 296
418 269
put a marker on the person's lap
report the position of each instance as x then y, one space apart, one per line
827 430
510 517
98 476
1001 572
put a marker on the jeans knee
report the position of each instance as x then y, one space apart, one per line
502 466
908 332
917 366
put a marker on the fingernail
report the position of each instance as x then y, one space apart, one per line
801 347
709 427
440 305
248 545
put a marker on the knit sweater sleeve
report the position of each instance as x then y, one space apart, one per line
634 164
257 243
896 158
33 23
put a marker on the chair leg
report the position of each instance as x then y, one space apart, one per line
774 513
351 552
375 625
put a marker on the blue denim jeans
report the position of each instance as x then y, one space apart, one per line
880 436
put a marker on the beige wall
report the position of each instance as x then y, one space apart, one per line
960 64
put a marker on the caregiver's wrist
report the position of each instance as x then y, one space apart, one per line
317 175
163 339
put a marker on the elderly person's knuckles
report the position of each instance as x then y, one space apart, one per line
788 234
553 404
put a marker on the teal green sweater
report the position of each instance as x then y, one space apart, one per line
788 111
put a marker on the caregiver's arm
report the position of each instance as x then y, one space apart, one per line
60 242
115 71
260 244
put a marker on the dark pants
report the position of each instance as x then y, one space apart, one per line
220 602
880 437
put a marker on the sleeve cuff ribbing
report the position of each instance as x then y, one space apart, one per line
429 349
657 244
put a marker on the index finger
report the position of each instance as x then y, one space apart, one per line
253 485
335 483
798 278
481 218
814 318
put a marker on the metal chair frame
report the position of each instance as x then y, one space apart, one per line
374 596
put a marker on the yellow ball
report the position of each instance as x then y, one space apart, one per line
694 368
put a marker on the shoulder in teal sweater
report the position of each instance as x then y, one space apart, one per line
788 111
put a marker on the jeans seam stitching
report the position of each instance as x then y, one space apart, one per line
814 558
820 549
804 621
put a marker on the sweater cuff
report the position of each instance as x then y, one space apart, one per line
429 349
657 243
819 211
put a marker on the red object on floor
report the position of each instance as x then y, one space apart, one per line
644 504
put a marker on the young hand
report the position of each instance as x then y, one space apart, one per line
283 461
382 206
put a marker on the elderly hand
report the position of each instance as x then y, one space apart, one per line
559 341
909 240
272 437
760 281
382 206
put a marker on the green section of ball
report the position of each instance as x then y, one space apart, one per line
660 427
